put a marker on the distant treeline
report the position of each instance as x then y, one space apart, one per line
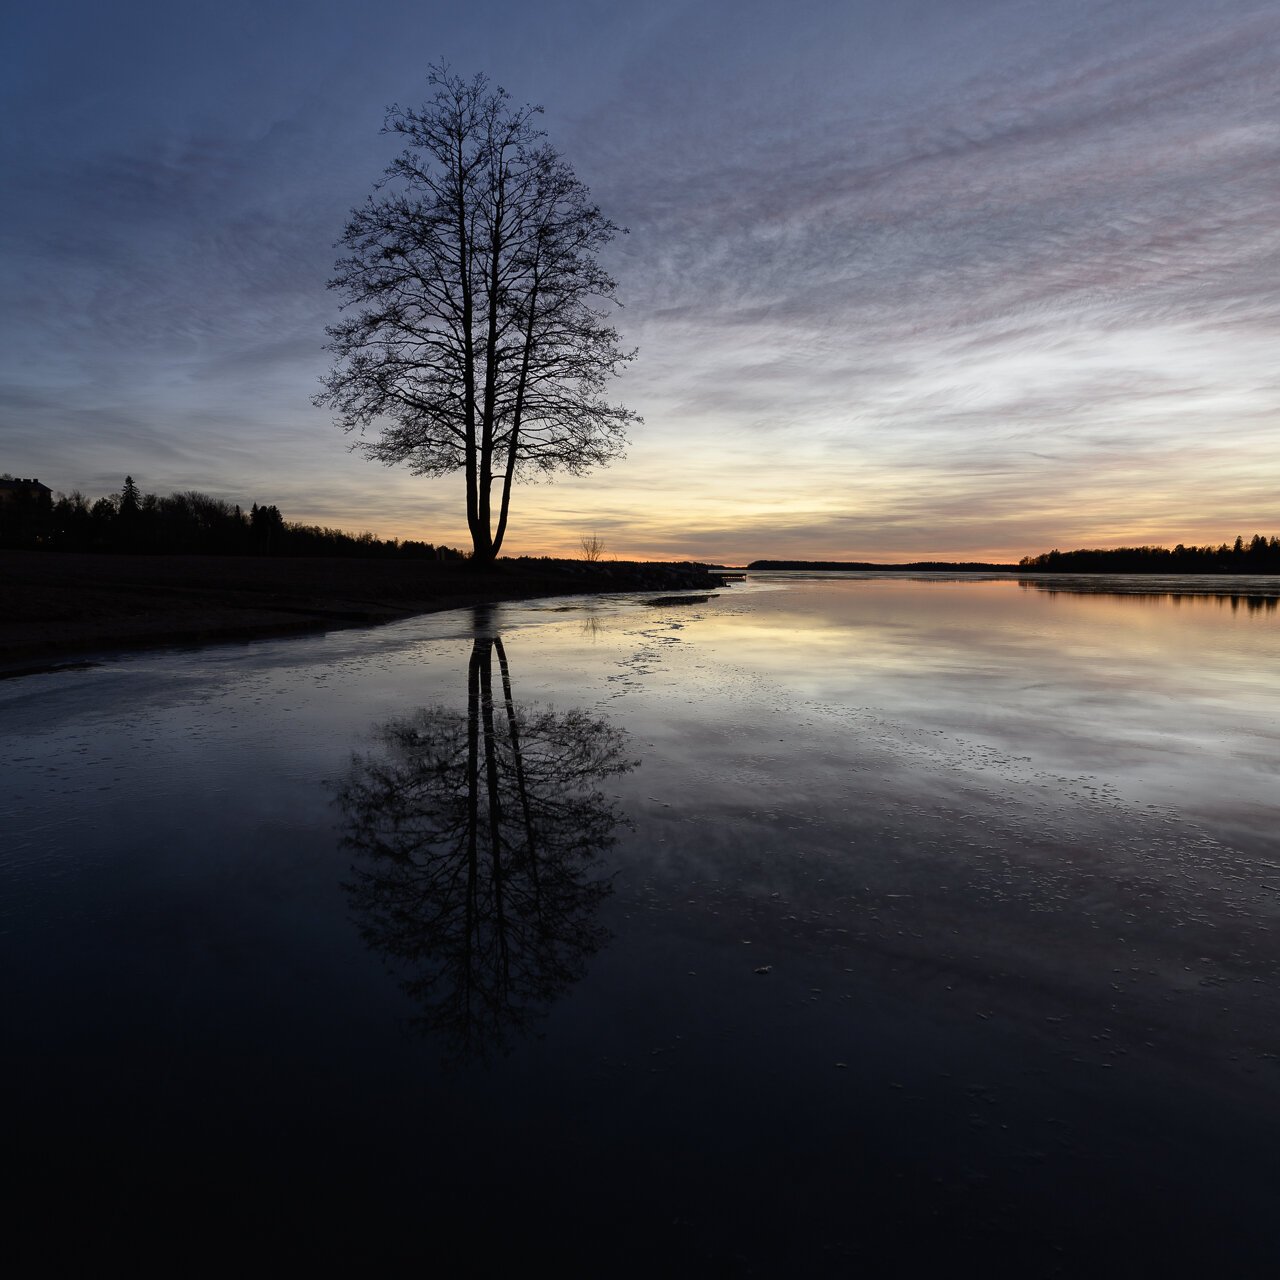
187 523
1258 555
918 566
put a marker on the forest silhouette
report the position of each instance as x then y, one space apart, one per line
1258 555
186 523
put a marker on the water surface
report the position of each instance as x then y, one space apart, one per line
833 920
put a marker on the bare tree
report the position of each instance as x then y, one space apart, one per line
476 337
592 547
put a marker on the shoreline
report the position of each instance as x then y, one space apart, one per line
60 608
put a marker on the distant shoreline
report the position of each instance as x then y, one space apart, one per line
60 607
1064 570
859 566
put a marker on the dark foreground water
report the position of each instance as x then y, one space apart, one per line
831 924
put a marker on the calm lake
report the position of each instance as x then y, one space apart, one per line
830 921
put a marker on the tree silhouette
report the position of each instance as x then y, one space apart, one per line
477 838
476 341
1259 555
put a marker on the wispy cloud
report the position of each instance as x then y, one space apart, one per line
915 279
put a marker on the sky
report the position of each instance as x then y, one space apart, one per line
908 279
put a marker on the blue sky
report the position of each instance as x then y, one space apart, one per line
907 279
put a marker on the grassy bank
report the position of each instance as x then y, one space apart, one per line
58 606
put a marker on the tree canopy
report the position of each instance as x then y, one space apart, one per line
475 336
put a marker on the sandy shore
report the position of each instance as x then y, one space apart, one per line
57 607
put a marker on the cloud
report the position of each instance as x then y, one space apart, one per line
923 276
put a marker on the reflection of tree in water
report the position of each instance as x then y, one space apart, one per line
477 836
1257 598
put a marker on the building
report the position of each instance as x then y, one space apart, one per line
30 491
